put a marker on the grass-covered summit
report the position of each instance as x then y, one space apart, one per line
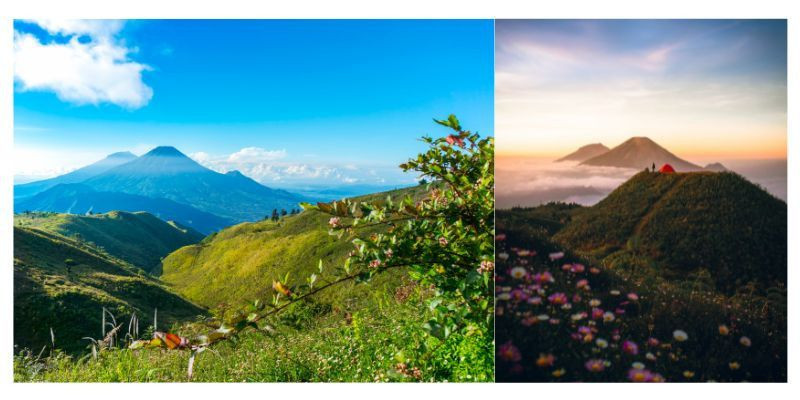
686 222
139 238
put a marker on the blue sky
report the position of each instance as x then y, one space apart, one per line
288 102
701 88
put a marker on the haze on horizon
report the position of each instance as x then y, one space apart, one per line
703 89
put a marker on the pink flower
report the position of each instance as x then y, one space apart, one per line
334 222
535 301
543 277
558 298
454 140
652 342
556 256
500 237
375 263
640 375
595 365
582 284
442 241
518 295
486 266
633 296
578 268
630 347
509 353
597 313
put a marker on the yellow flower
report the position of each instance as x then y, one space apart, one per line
734 365
559 372
688 374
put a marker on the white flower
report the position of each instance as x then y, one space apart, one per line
608 316
504 296
680 335
745 341
637 365
503 256
518 272
601 343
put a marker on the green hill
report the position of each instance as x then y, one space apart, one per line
139 238
687 222
49 296
237 265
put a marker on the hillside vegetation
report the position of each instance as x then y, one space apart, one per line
63 284
686 222
672 277
238 265
139 238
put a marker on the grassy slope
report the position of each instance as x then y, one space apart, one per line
237 265
46 296
353 332
139 238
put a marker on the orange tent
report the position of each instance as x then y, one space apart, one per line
666 169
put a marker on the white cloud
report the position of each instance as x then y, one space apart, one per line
268 166
93 71
256 154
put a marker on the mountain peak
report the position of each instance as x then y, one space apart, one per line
165 151
640 152
585 152
122 154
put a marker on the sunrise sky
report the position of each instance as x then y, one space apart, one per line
699 88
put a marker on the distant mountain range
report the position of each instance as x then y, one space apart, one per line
636 152
163 182
585 152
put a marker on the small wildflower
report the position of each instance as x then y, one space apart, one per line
630 347
509 352
582 284
557 298
594 302
503 256
442 241
601 343
545 360
518 272
595 365
650 356
745 341
652 342
680 335
556 256
637 365
608 316
559 372
633 296
614 292
500 237
733 365
486 266
334 222
688 374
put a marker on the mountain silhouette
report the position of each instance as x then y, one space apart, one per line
585 152
76 198
640 153
76 176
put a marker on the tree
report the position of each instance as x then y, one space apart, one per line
283 212
69 263
275 214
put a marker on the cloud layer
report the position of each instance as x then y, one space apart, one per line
88 64
270 167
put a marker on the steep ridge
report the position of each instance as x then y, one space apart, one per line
139 238
48 295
